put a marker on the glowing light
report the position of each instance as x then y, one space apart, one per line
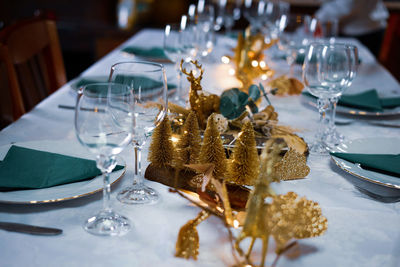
231 72
254 63
263 64
264 77
174 139
236 223
225 59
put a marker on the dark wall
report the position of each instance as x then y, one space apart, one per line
88 28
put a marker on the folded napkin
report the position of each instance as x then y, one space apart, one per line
145 82
24 168
153 52
383 163
367 100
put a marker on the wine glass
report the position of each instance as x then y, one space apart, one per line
333 137
205 29
104 122
254 12
326 73
296 32
272 16
174 49
149 84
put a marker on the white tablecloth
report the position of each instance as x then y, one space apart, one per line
361 232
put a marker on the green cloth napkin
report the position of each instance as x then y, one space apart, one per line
384 163
153 52
367 100
145 82
24 168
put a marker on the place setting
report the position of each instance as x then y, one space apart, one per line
206 145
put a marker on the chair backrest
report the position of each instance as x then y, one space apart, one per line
31 53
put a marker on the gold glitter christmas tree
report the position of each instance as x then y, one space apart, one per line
161 151
244 166
212 150
189 144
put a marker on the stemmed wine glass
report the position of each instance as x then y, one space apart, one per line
104 123
333 137
149 84
326 73
295 34
254 12
179 44
205 26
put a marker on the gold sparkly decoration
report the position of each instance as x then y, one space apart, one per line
286 86
292 166
187 245
203 105
255 225
292 140
244 166
212 150
161 151
249 58
205 174
290 216
189 144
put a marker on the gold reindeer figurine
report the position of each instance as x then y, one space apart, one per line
203 105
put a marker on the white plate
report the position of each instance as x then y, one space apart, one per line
354 111
376 183
60 192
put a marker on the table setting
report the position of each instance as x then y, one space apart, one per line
187 147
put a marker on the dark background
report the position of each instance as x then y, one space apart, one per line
88 28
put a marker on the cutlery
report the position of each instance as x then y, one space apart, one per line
85 109
385 123
29 229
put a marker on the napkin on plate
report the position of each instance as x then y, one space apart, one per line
145 82
24 168
153 52
367 100
383 163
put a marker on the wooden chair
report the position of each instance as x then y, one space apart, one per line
31 55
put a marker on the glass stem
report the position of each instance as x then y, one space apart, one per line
106 165
322 108
138 181
332 116
106 191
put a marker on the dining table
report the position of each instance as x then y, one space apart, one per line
363 229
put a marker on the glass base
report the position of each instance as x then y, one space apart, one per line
138 195
107 223
334 138
319 148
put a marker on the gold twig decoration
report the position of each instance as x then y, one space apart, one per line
187 245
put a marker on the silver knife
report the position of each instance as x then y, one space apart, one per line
29 229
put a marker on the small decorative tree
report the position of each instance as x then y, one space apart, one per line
161 151
244 167
212 150
189 144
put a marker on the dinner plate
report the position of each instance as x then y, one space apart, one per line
60 192
312 101
371 182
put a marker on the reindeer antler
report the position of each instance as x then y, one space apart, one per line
190 74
